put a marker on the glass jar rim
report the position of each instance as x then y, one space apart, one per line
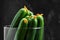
8 26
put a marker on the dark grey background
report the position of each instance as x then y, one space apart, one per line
50 9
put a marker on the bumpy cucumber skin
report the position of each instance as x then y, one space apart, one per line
40 32
21 31
20 14
16 20
31 31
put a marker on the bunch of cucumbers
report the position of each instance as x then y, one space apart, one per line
29 26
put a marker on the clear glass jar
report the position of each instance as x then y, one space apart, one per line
12 32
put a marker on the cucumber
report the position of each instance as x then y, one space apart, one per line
21 31
30 13
23 12
40 32
29 25
19 15
31 31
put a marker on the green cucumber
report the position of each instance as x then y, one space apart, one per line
31 31
40 32
23 12
21 31
29 25
19 15
30 13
